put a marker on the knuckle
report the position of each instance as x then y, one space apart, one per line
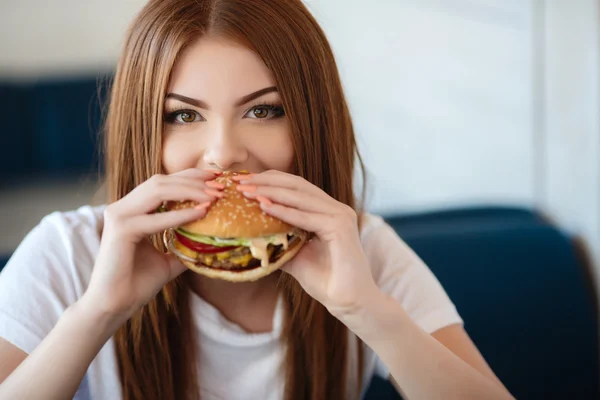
296 178
351 212
113 219
349 216
193 172
158 186
110 212
157 179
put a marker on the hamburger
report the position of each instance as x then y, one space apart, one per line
236 240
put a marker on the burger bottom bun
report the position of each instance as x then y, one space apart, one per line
249 275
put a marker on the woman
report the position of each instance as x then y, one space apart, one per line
90 308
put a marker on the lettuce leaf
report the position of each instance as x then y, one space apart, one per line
216 241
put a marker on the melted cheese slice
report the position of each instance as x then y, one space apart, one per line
258 250
258 247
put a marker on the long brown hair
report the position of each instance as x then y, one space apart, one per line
156 348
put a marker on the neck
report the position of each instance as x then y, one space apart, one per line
249 304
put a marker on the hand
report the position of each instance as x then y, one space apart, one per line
332 267
129 271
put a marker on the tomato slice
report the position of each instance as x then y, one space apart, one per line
201 247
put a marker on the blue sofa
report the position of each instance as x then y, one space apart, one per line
50 128
523 289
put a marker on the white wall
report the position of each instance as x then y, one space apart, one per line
442 97
455 101
570 118
62 37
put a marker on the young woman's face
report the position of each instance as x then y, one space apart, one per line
223 111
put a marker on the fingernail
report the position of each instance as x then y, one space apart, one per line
215 185
246 188
242 177
264 200
202 206
215 193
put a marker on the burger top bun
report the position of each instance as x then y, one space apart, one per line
234 215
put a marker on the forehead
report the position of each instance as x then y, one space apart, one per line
217 69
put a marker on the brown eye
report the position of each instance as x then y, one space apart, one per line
187 117
261 112
265 111
183 117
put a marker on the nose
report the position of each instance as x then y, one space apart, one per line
224 150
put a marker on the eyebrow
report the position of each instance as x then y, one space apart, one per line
202 104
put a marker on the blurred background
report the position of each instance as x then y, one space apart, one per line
466 110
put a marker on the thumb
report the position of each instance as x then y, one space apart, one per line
176 267
290 268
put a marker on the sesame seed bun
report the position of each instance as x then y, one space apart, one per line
234 215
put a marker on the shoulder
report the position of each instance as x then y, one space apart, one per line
63 245
387 253
77 232
86 219
401 273
48 271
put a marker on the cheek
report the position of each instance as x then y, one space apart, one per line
177 154
274 150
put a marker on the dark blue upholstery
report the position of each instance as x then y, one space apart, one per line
50 128
65 130
524 294
15 131
3 261
465 219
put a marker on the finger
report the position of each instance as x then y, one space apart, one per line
151 194
308 221
300 200
176 267
174 192
307 276
197 173
281 179
148 197
195 182
148 224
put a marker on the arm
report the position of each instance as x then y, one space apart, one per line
59 363
128 272
334 269
12 356
422 366
458 341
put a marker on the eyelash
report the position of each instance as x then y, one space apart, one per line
171 116
276 111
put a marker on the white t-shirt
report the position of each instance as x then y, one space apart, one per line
52 267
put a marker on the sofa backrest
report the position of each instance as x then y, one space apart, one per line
51 128
524 292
